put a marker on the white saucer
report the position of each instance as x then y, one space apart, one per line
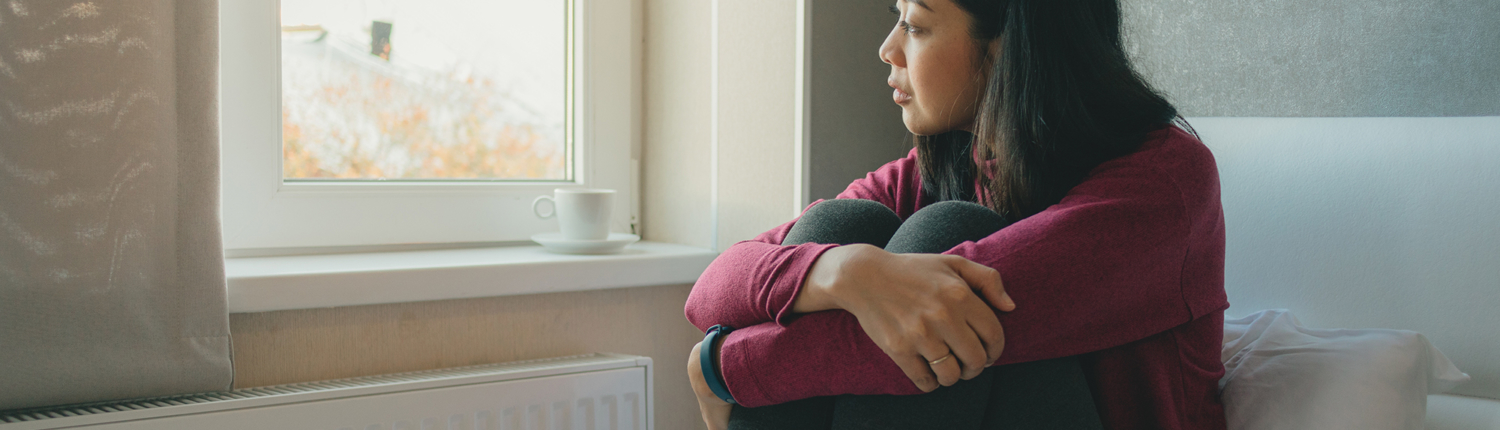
556 243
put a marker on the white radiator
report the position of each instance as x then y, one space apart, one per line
593 392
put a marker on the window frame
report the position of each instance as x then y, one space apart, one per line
261 212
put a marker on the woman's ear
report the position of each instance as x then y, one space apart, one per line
989 55
990 59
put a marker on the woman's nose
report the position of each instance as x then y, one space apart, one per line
890 53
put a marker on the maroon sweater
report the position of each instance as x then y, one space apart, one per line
1127 270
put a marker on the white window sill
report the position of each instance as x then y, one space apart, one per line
318 281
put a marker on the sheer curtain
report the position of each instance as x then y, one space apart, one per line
111 265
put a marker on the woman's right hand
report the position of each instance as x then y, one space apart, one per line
916 307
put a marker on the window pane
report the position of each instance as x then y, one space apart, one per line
429 89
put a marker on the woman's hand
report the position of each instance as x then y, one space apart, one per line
917 307
715 411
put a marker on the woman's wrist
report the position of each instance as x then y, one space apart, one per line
696 377
819 286
714 410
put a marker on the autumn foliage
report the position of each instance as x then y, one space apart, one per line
372 126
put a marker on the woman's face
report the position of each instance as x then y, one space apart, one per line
933 66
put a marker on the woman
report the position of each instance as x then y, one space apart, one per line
1051 252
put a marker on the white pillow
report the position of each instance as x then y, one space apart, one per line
1280 375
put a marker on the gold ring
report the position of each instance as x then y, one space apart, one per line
940 360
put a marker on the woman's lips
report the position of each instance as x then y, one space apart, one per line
900 97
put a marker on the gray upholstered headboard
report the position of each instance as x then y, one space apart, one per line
1368 222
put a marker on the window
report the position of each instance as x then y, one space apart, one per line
453 96
377 122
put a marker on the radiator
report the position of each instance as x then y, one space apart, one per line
594 391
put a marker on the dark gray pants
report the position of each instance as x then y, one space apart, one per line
1048 394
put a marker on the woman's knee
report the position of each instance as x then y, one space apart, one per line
943 225
850 208
957 211
845 221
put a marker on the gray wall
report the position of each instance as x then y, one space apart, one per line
1299 58
854 127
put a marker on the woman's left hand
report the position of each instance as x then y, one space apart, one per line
715 410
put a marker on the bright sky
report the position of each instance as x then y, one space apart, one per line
519 44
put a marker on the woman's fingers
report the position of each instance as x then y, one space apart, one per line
921 307
715 416
991 334
986 282
948 371
978 323
943 362
965 346
918 371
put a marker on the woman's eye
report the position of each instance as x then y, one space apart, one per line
905 27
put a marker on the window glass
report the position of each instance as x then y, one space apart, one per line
424 90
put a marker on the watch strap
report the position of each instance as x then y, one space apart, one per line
706 359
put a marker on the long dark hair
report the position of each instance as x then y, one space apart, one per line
1060 99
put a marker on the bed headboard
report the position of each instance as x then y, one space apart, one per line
1368 222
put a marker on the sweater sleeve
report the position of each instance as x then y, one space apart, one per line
755 281
1100 269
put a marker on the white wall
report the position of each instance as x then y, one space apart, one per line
675 170
756 113
721 144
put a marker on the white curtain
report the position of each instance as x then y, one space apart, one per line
111 265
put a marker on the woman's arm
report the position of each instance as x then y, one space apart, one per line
756 281
1100 269
752 282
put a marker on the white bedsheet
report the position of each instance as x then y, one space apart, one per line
1281 375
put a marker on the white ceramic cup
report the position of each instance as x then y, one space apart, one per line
582 214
